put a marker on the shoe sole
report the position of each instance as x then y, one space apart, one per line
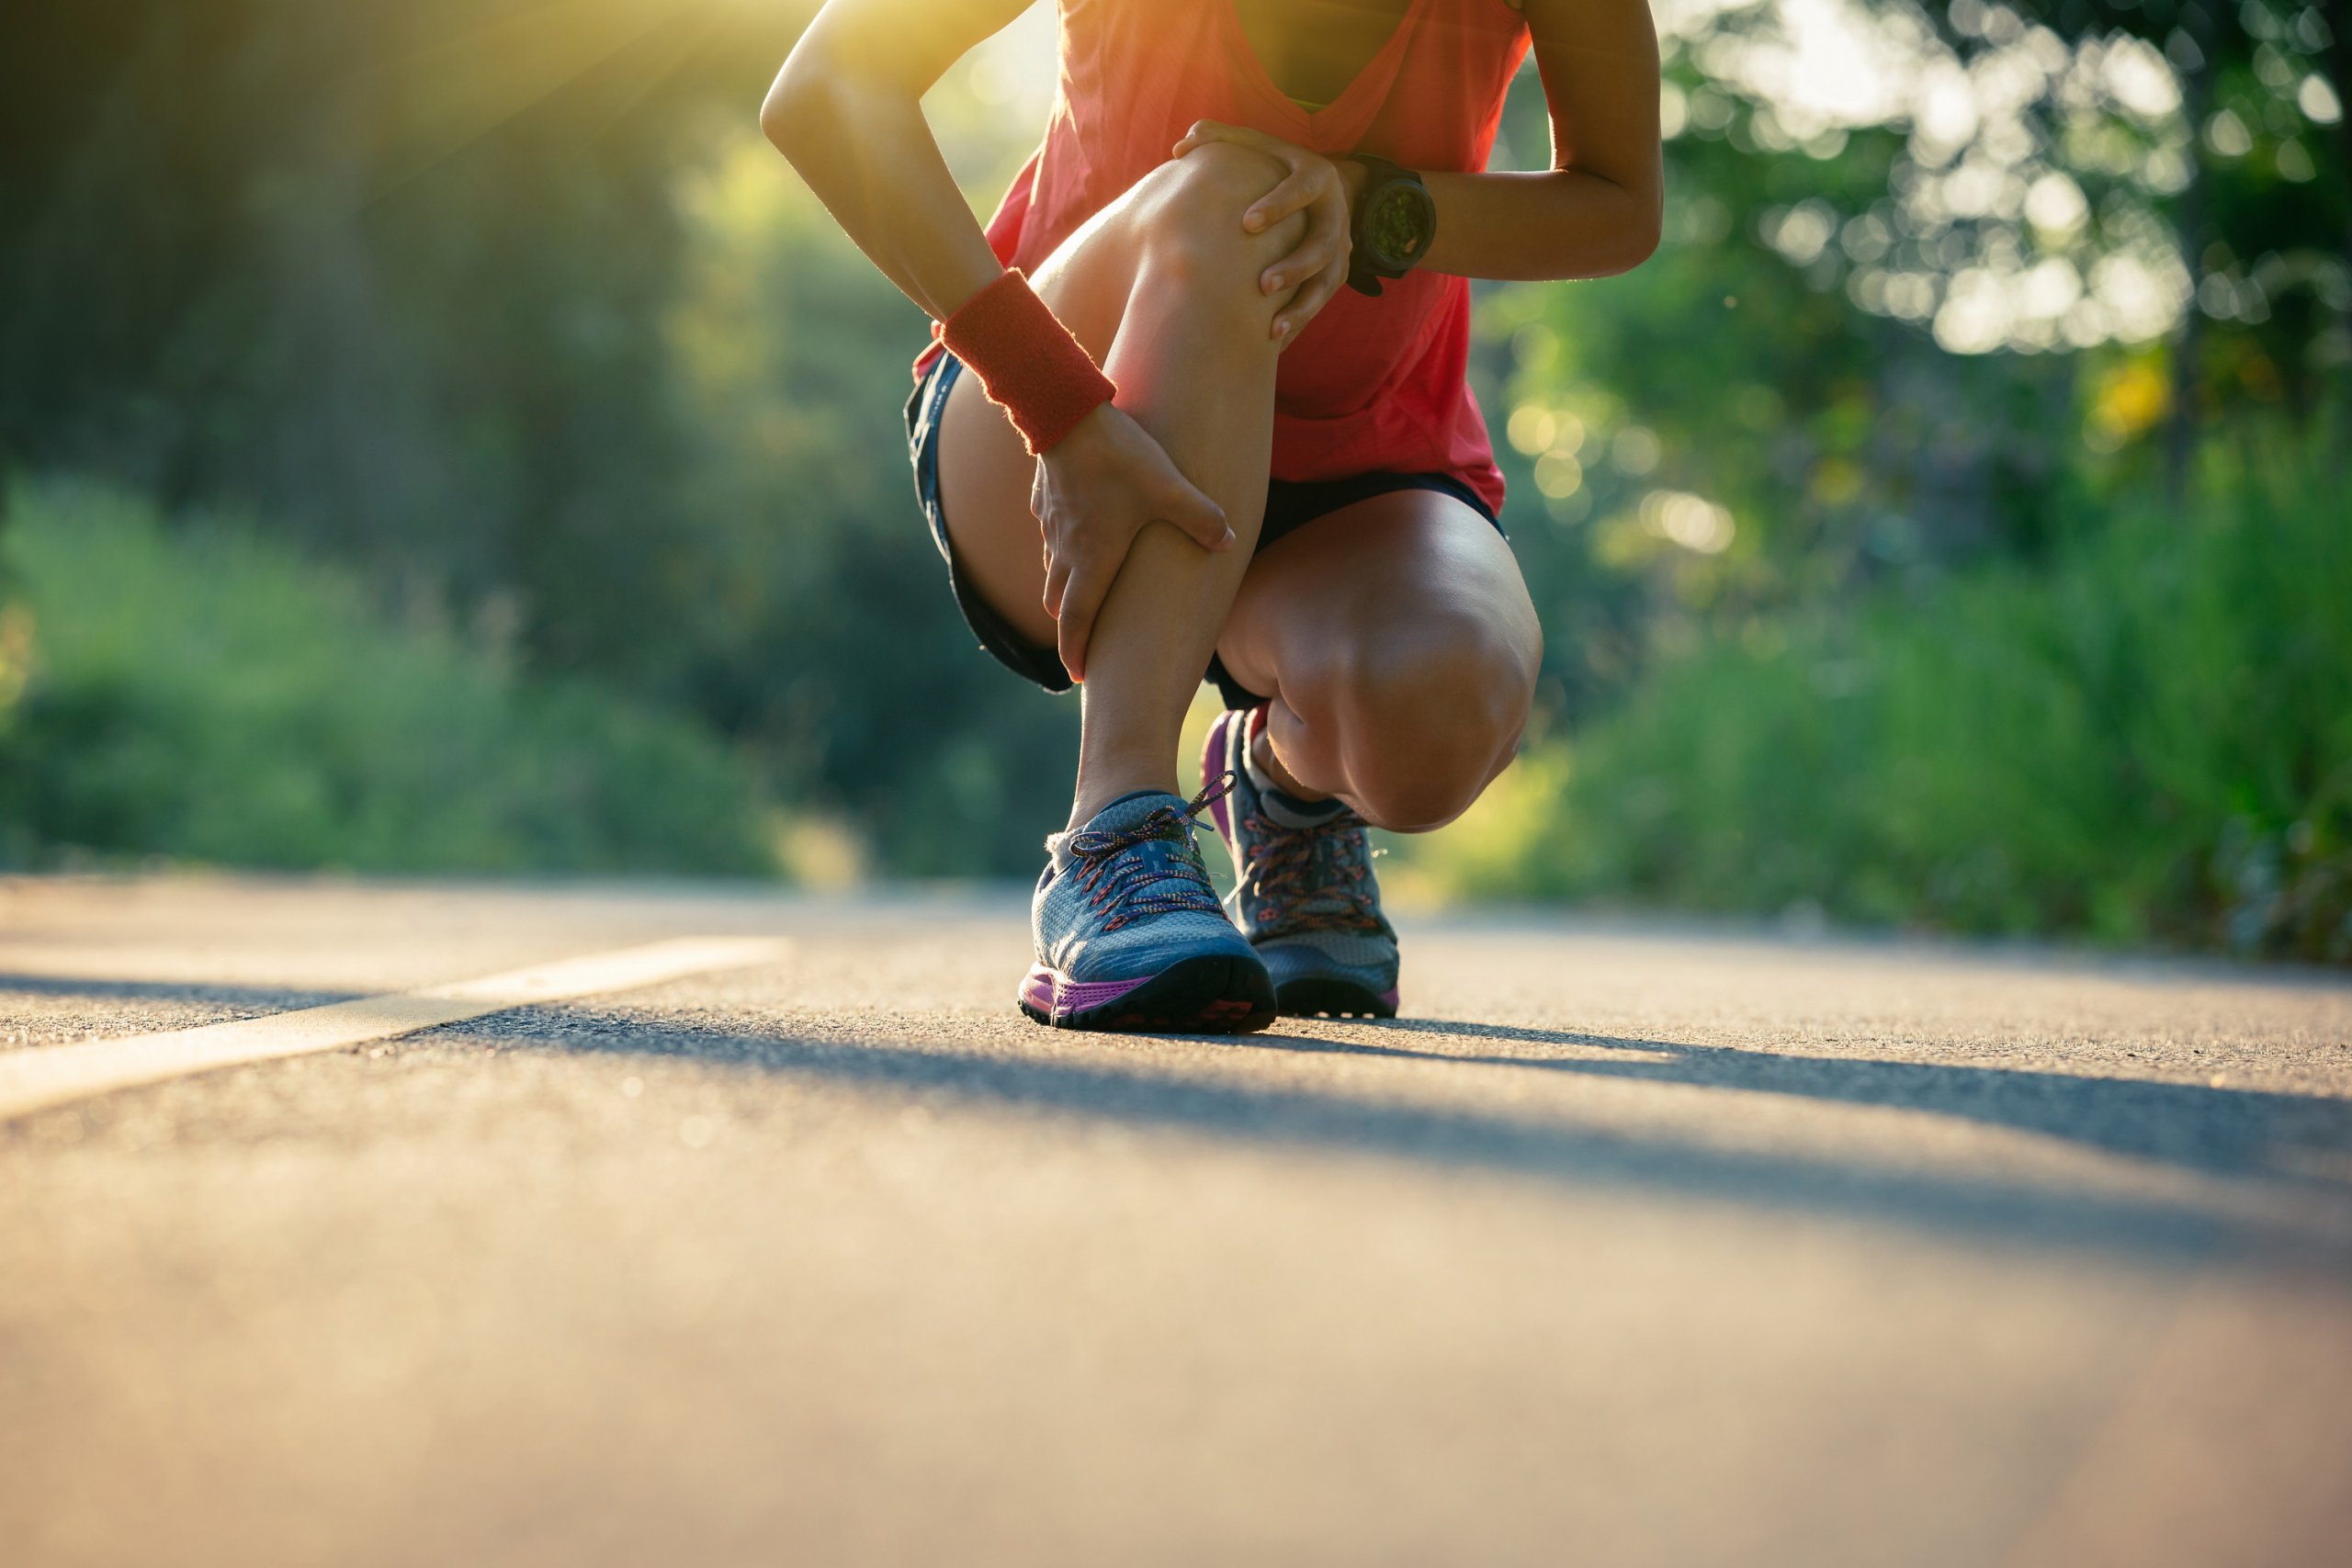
1314 996
1216 993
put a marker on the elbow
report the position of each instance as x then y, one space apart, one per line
784 113
1641 241
799 103
832 85
774 123
1616 226
1644 221
1619 251
1638 237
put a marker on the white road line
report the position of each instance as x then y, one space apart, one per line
35 1077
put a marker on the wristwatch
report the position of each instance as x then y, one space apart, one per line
1392 226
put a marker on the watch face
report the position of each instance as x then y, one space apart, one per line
1399 223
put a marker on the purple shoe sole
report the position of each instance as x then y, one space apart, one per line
1212 994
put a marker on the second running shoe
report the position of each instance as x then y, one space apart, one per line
1129 934
1303 892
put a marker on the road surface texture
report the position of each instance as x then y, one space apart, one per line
1623 1248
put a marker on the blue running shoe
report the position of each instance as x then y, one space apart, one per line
1304 893
1129 934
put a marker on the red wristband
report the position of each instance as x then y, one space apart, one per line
1027 362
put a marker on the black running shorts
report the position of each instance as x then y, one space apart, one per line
1290 505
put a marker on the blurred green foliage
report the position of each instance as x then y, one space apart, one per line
1879 350
206 694
507 305
2147 735
503 308
1850 515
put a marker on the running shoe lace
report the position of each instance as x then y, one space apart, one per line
1318 877
1123 888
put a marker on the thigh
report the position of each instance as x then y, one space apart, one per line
985 472
1399 576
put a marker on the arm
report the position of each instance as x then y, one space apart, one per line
1595 210
847 111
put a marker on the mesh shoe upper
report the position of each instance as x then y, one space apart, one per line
1127 895
1304 894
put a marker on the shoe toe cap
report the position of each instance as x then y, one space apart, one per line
1149 947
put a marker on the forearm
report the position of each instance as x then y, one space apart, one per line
1595 211
1536 227
866 151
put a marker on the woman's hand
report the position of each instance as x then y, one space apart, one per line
1315 186
1096 489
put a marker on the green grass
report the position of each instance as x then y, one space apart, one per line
2147 738
200 693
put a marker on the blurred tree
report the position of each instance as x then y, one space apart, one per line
1923 277
2261 199
508 303
503 301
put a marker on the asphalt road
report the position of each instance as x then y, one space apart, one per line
1623 1248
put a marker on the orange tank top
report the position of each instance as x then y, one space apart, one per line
1371 384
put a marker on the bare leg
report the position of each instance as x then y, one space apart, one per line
1162 285
1400 649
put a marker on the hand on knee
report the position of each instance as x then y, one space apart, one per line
1193 235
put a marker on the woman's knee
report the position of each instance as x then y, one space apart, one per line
1190 211
1430 712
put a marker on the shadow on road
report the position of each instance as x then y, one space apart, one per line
2273 1166
2266 1144
2303 1139
264 999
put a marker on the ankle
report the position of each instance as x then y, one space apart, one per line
1267 770
1093 795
